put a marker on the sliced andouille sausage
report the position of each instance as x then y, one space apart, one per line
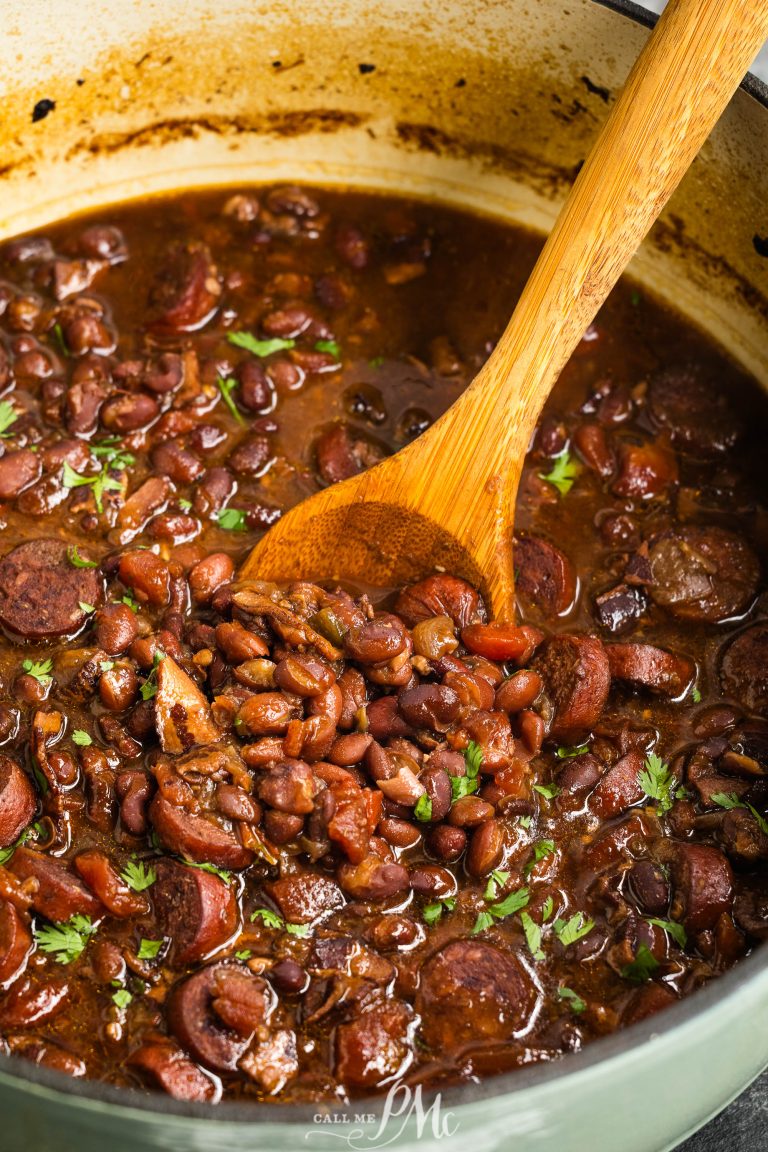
374 1047
168 1068
577 678
182 714
619 787
441 595
706 574
196 837
15 943
702 883
41 593
646 666
17 801
545 576
96 870
646 1001
469 992
194 1021
186 290
60 894
33 1000
196 909
47 1055
693 409
302 898
744 669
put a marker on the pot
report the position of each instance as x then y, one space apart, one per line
479 104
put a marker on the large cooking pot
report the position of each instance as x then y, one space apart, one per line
485 104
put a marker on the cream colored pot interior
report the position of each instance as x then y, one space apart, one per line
476 102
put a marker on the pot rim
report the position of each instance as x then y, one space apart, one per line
716 996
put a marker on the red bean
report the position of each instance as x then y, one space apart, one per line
209 574
116 628
469 811
486 849
519 691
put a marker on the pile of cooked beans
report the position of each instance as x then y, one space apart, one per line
299 843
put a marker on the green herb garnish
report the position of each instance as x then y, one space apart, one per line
214 871
548 791
138 875
731 800
259 347
39 670
149 687
569 931
422 809
243 954
6 853
231 519
657 782
273 920
532 935
466 785
100 484
148 949
675 930
122 998
541 849
642 967
226 386
82 739
496 880
329 346
564 471
512 903
78 561
65 941
8 416
576 1003
566 753
433 912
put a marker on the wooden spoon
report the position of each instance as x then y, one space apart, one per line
447 501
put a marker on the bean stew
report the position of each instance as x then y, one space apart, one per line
295 844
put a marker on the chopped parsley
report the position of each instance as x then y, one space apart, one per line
423 808
87 608
548 791
547 909
39 670
675 930
564 471
82 739
532 935
58 336
642 967
129 602
512 903
138 875
541 849
259 348
6 853
329 346
525 821
273 920
185 505
8 416
569 931
657 782
243 954
731 800
496 880
466 785
100 484
78 561
122 998
149 687
148 949
214 871
106 665
566 753
434 911
231 519
65 942
111 452
227 386
696 695
576 1003
376 362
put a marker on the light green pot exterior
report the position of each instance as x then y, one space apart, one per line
478 103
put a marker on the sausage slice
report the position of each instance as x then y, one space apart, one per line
544 575
693 410
744 669
182 714
17 801
197 910
60 894
702 883
168 1068
704 574
196 1024
472 992
577 678
196 837
41 592
15 943
645 666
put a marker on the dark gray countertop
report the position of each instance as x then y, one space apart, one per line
742 1127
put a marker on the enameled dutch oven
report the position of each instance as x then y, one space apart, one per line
476 102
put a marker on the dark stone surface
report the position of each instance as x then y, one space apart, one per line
742 1127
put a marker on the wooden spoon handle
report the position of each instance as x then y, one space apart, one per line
679 86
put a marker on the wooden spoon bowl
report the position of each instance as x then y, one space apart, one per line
446 502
